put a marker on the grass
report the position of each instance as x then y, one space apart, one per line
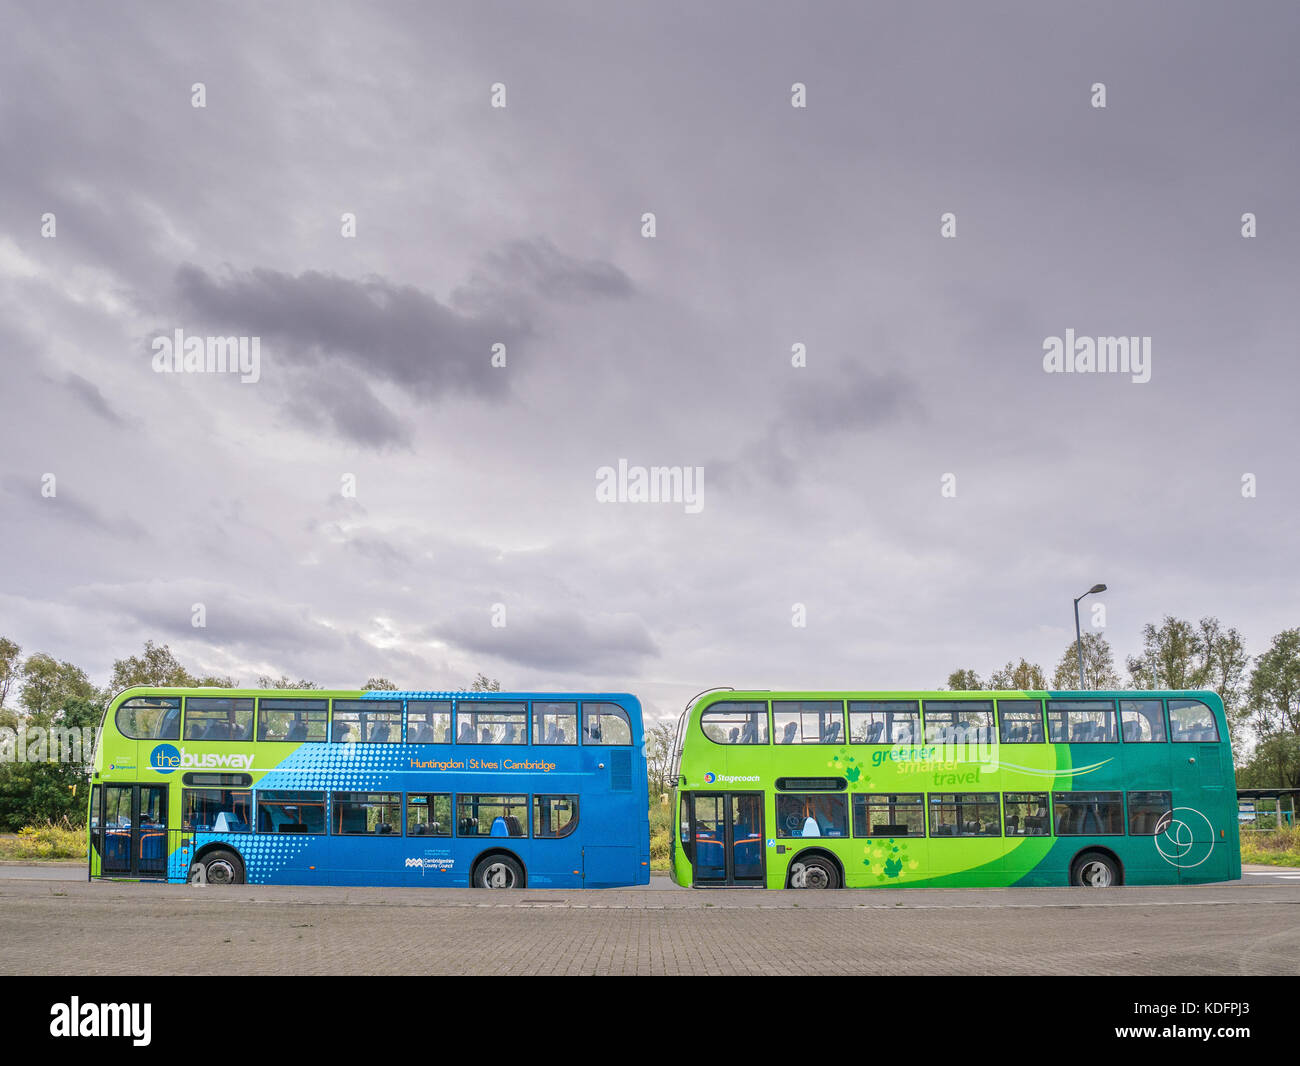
1278 847
52 840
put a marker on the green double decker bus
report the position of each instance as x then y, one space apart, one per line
888 789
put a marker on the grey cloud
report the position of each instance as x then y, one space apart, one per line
555 640
341 400
391 332
816 405
90 395
847 399
555 275
66 506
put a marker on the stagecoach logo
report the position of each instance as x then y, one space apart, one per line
728 778
167 757
709 779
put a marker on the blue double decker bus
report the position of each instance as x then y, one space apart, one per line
484 789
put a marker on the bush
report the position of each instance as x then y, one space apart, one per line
1277 847
52 840
661 824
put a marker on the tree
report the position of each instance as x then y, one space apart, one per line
964 681
267 681
159 668
374 684
1098 665
1170 656
1275 763
33 792
659 742
10 666
1223 664
1022 676
47 685
1275 686
483 683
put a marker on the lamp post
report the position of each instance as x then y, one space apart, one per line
1078 636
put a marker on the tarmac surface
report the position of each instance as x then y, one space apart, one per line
53 922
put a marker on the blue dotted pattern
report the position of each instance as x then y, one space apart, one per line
264 855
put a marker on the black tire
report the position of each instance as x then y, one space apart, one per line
1094 869
221 867
815 871
498 871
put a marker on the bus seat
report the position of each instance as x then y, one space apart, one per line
297 731
466 735
873 732
379 735
512 824
499 827
832 734
790 729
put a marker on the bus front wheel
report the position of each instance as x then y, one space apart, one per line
1094 870
499 871
814 872
218 867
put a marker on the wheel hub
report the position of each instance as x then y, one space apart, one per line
1095 875
498 875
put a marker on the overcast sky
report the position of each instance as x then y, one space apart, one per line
775 226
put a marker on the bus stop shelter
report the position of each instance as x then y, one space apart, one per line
1266 808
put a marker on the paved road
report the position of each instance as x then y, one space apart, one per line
72 927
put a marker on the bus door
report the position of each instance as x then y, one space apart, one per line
1195 843
131 835
727 838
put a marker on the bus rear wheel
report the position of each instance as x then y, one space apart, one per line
499 871
814 872
1092 869
218 867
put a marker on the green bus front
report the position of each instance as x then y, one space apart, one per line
871 789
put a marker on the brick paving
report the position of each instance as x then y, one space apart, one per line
103 928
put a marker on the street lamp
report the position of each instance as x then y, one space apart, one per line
1078 637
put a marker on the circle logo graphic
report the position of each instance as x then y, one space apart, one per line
710 778
1176 839
165 758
